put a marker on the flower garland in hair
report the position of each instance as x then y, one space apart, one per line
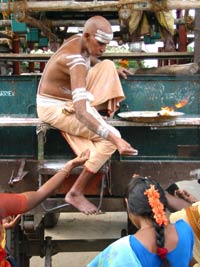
157 207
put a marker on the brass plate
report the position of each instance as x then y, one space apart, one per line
148 116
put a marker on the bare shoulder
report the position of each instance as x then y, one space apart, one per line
66 52
171 237
70 46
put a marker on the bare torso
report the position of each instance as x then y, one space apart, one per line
55 81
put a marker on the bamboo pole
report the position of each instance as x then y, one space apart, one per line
67 23
101 5
77 23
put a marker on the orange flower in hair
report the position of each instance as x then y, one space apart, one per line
157 207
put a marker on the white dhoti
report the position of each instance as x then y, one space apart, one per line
104 84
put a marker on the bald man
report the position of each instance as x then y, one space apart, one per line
74 88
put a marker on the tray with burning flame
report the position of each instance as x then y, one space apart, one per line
150 116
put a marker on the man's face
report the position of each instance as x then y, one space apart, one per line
95 48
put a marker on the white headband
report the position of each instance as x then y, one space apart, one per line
103 37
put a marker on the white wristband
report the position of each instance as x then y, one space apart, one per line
79 94
103 131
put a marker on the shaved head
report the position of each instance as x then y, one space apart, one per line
97 23
101 27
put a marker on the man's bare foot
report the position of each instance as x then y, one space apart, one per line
81 203
186 196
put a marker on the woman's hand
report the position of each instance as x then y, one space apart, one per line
81 159
186 196
11 221
123 72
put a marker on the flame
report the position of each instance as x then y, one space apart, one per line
182 103
170 109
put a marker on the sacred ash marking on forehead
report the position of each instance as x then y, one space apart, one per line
103 37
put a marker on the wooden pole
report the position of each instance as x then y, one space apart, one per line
31 64
100 5
16 70
197 37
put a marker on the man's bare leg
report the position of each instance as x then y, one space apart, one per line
75 196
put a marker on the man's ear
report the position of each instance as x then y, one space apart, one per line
86 35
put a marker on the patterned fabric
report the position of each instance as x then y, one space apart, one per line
181 214
128 251
3 253
194 219
10 204
118 254
3 236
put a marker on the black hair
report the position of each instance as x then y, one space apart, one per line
171 189
138 204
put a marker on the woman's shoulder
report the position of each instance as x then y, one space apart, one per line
122 241
117 254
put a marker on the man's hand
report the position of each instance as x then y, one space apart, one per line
123 72
125 148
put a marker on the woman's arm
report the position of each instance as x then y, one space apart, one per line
36 197
176 203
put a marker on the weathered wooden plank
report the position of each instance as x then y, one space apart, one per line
45 57
190 121
197 37
186 69
62 22
100 5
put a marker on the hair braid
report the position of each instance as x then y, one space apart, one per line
138 204
159 230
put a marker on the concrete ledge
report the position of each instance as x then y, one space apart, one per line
180 122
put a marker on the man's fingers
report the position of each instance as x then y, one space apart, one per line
130 152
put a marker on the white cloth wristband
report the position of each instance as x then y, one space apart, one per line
103 131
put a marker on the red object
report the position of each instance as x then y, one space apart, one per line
93 188
162 252
16 70
31 64
182 38
42 66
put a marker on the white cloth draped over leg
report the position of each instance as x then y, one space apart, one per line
104 84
